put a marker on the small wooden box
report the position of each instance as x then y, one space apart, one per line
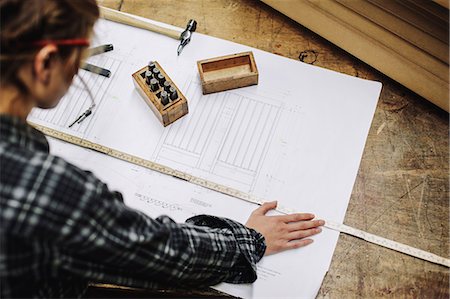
166 114
228 72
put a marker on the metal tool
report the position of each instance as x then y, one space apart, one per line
154 86
82 116
186 35
89 110
151 66
139 22
99 50
166 85
173 93
96 69
93 68
148 77
164 97
161 79
155 72
374 239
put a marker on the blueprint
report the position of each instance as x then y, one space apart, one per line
296 137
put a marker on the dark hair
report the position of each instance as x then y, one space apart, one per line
23 22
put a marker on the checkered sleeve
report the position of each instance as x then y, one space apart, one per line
94 236
251 245
62 227
202 252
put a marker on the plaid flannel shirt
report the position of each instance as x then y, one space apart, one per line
61 228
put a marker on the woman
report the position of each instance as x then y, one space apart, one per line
61 226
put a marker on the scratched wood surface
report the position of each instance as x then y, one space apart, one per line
402 188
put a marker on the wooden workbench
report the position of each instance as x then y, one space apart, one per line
402 188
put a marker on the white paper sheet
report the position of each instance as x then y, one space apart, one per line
297 137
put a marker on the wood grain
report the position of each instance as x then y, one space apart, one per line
402 188
227 72
127 19
380 48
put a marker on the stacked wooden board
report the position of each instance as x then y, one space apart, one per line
408 40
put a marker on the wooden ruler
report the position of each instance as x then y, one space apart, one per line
424 255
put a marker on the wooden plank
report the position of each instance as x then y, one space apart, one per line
368 32
443 3
413 18
431 10
321 17
402 29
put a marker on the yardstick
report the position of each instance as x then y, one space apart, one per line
374 239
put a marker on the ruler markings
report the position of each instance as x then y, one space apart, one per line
374 239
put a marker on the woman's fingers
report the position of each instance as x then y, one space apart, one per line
296 217
265 207
298 243
300 234
294 226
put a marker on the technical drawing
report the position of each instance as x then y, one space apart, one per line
227 135
77 99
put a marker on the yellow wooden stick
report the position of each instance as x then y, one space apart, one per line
132 20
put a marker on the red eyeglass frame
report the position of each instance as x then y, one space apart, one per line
62 42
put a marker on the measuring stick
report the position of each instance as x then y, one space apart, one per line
374 239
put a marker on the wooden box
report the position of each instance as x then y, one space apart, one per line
228 72
168 113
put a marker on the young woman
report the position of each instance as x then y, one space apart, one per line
61 226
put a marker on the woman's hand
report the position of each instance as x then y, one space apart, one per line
286 231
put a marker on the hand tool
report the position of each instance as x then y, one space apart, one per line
96 70
164 98
151 66
186 35
99 50
173 93
161 79
82 116
155 72
166 86
93 68
132 20
88 111
154 84
148 77
157 95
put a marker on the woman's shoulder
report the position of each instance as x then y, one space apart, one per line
44 185
46 176
30 163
